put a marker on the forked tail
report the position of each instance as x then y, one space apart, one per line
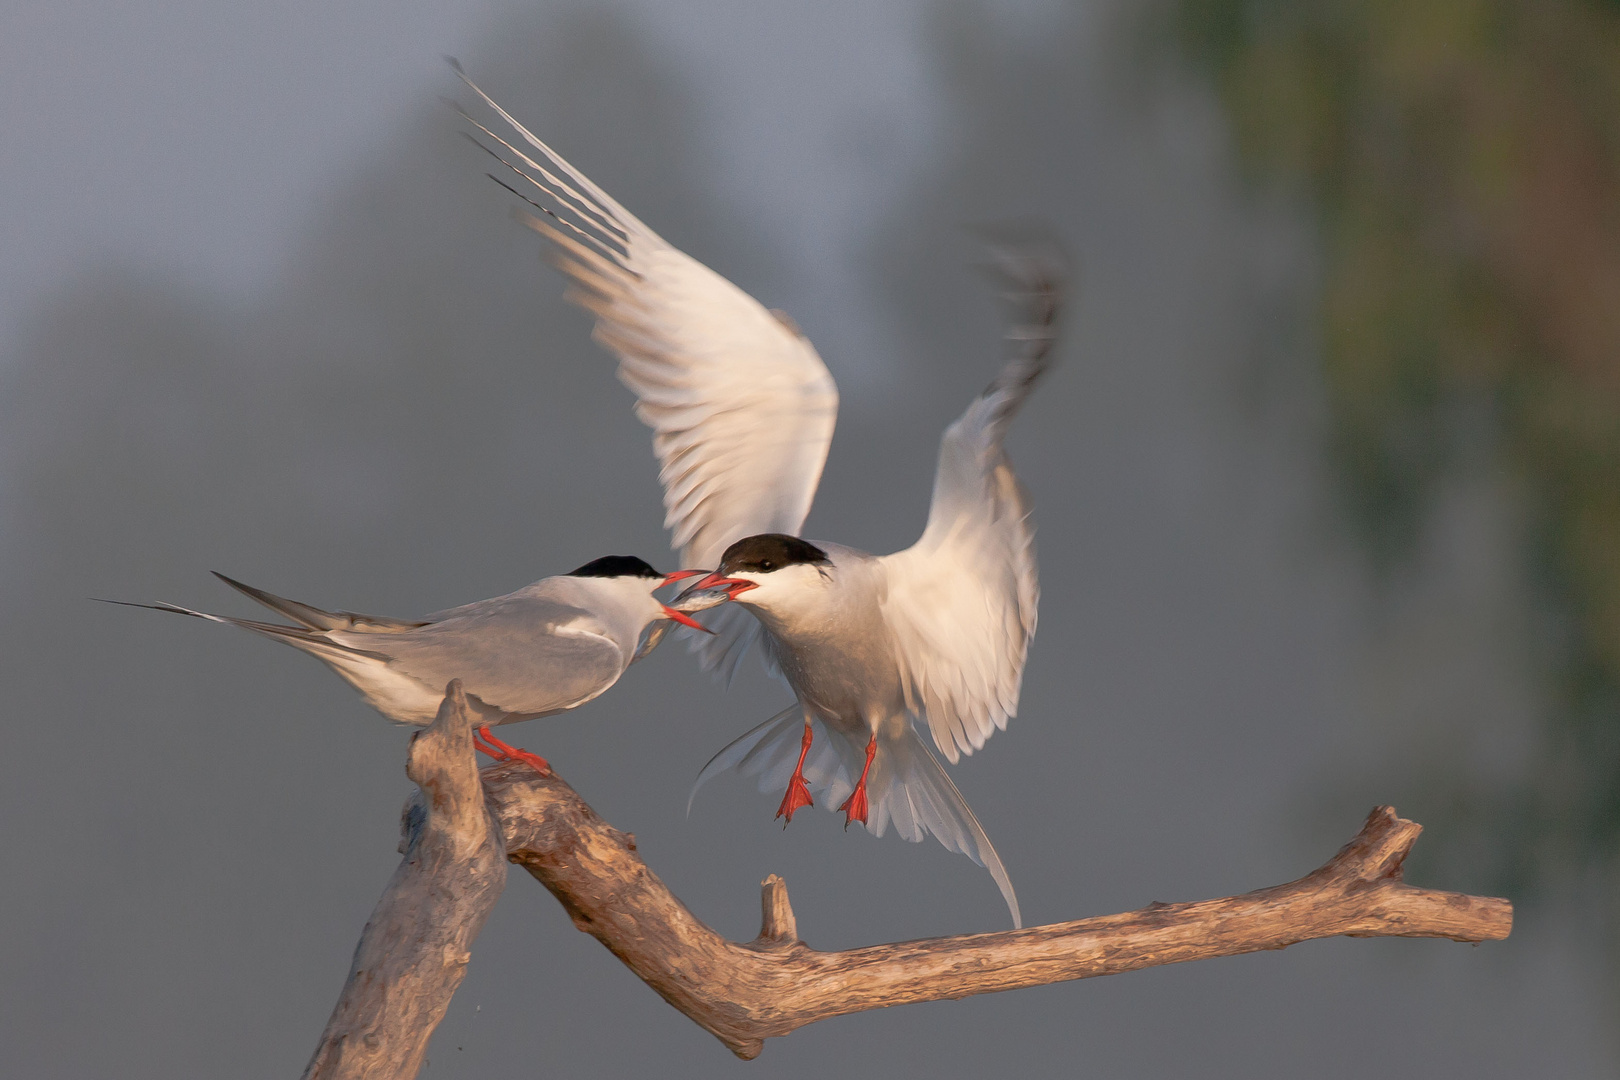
906 786
909 787
770 751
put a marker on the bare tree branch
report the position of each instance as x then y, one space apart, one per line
416 946
746 993
414 951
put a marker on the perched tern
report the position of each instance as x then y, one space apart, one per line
547 648
742 411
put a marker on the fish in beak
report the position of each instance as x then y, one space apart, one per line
692 600
719 585
679 614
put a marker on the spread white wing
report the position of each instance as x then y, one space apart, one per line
741 407
961 601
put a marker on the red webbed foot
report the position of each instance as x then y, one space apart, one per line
797 798
501 751
855 806
798 792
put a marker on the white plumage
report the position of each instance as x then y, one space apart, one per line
544 649
962 600
742 412
741 407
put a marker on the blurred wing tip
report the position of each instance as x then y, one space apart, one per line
1013 249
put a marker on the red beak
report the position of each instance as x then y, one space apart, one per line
737 585
679 575
682 617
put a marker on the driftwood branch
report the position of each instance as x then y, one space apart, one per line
459 836
416 945
746 993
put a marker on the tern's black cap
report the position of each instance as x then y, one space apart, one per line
616 566
770 551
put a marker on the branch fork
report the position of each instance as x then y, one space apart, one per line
746 993
463 825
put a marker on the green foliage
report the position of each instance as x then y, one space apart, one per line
1464 159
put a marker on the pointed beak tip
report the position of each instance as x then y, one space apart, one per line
733 586
684 619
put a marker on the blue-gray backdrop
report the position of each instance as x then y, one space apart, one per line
261 312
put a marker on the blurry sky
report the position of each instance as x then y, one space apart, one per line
261 312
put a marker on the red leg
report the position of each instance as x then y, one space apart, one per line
855 806
501 751
798 792
482 743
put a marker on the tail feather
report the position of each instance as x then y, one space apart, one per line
906 787
309 640
732 754
909 787
172 609
314 618
770 751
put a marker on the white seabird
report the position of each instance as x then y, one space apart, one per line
544 649
742 411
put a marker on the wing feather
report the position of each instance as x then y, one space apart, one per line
741 407
523 654
962 600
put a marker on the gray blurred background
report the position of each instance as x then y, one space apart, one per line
261 312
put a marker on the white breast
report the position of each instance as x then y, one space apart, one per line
834 647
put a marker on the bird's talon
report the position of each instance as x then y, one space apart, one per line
797 798
854 807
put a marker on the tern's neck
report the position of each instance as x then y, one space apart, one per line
825 606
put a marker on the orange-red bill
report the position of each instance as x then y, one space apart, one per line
737 585
679 575
683 618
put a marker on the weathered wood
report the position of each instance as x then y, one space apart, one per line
415 947
777 927
746 993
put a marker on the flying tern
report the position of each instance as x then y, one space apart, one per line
742 411
544 649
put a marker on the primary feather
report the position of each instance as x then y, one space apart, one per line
742 412
741 407
544 649
962 600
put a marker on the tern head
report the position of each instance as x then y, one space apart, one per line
638 576
761 570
